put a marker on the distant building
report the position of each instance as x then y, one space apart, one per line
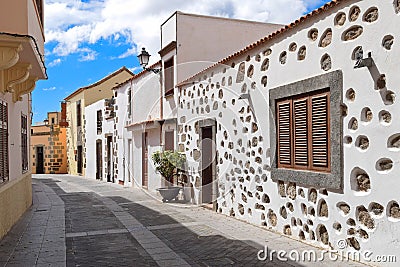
49 144
76 104
21 65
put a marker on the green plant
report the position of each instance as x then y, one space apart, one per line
167 163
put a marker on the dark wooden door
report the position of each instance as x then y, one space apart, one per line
80 163
39 160
99 161
207 164
145 155
110 174
169 141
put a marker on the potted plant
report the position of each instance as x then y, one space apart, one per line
168 163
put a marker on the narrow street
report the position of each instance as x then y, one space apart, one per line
80 222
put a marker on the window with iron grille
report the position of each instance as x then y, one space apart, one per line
24 142
4 168
303 132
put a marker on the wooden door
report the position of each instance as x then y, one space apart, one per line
145 157
80 158
207 164
39 160
99 161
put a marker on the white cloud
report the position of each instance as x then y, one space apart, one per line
49 89
73 24
55 62
87 54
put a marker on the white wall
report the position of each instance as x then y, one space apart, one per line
14 129
122 119
92 136
383 237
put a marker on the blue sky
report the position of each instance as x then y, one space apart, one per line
89 39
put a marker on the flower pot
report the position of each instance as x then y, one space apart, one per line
169 193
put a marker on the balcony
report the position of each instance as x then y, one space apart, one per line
21 46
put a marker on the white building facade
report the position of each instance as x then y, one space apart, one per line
298 132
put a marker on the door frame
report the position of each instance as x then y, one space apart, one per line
210 123
99 159
145 160
37 159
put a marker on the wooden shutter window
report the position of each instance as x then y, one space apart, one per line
284 134
4 168
320 131
300 110
303 136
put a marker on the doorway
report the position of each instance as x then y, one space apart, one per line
79 160
208 164
99 161
129 161
39 160
110 174
145 159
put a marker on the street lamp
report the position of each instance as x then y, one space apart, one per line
144 57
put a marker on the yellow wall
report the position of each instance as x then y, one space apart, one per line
54 147
15 199
88 96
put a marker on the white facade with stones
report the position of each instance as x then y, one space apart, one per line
363 208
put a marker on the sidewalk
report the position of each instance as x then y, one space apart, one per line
80 222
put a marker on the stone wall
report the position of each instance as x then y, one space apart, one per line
363 211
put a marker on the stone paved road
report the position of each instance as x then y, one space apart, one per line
80 222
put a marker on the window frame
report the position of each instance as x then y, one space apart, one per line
293 128
333 180
24 143
4 148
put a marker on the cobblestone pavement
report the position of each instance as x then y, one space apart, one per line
76 221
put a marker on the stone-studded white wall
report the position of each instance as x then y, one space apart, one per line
366 213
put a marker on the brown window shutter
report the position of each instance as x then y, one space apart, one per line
301 147
320 131
284 134
4 169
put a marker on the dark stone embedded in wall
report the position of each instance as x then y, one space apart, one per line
301 55
281 188
323 209
396 4
352 33
384 164
291 191
283 57
326 62
313 34
376 208
363 234
250 71
352 242
337 226
353 124
240 73
292 47
265 65
394 141
326 38
272 218
312 195
351 222
267 52
264 81
390 98
287 230
362 142
371 15
363 182
340 19
394 210
354 13
322 234
365 218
